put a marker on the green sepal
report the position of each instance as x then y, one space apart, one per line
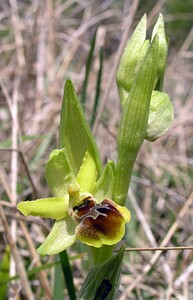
133 125
159 29
105 184
87 174
130 59
161 116
60 237
103 280
54 208
75 134
59 173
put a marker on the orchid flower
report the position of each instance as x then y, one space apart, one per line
81 203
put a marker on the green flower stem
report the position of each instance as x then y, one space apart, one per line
67 274
99 255
133 126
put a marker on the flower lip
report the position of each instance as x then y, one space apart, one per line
99 223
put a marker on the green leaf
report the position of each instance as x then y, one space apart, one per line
103 280
59 173
130 60
133 125
98 89
75 134
88 69
105 184
161 115
60 237
54 208
4 272
87 174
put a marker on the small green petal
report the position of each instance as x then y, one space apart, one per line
88 173
54 208
60 237
59 173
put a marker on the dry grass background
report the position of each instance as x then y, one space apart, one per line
43 43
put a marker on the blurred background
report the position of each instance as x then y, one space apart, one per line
42 43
